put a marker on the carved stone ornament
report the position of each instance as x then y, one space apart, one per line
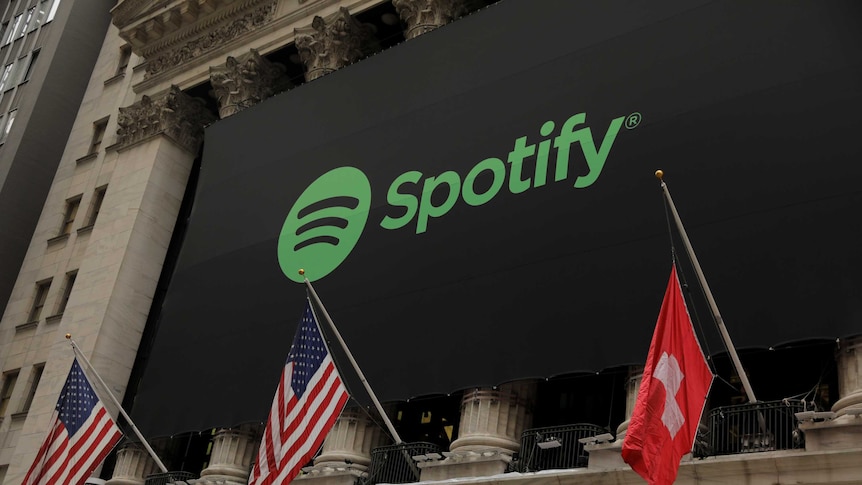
332 43
210 40
174 114
422 16
245 81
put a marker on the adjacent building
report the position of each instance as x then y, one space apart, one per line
113 201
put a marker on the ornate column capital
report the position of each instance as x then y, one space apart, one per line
174 114
246 80
332 43
422 16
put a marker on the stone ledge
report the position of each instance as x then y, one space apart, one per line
54 318
26 326
87 228
57 239
115 78
87 158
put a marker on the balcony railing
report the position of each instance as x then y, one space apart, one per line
555 447
169 477
754 427
395 464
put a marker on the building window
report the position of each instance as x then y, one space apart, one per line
7 74
28 19
98 198
13 29
36 376
39 301
53 10
99 128
9 380
44 7
69 217
125 56
33 57
67 291
6 129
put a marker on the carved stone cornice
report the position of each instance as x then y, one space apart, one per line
175 114
198 40
333 42
422 16
168 32
245 81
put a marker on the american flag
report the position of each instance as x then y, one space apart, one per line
81 434
309 398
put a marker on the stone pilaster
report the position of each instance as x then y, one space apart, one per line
232 454
606 455
844 429
174 114
331 43
633 385
346 452
489 432
133 465
422 16
244 81
849 378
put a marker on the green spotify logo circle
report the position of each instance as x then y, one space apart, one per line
324 224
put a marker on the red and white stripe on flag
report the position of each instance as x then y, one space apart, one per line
309 398
81 435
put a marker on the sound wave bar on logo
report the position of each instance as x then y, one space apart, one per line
328 218
324 224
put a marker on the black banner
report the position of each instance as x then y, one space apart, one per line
478 204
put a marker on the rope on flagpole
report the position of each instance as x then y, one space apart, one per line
749 392
352 360
137 432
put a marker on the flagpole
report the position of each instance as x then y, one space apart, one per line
352 360
712 305
117 403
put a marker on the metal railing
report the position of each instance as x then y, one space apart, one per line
169 477
754 427
555 447
395 464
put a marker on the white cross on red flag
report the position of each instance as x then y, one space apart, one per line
676 382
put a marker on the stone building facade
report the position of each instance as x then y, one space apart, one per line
165 71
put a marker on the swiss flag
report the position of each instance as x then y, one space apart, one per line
672 395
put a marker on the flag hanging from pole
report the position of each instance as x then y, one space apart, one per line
309 398
672 395
81 434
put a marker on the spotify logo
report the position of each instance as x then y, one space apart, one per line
324 224
327 220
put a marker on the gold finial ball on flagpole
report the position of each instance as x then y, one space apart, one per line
301 271
68 336
659 174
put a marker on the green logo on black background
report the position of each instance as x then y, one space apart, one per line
324 224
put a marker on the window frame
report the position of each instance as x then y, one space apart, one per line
7 389
73 205
40 297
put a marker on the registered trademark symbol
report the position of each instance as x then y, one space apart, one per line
633 120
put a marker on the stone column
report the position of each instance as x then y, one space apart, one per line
332 43
633 385
233 451
849 378
606 455
246 80
346 452
422 16
133 466
843 429
489 432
